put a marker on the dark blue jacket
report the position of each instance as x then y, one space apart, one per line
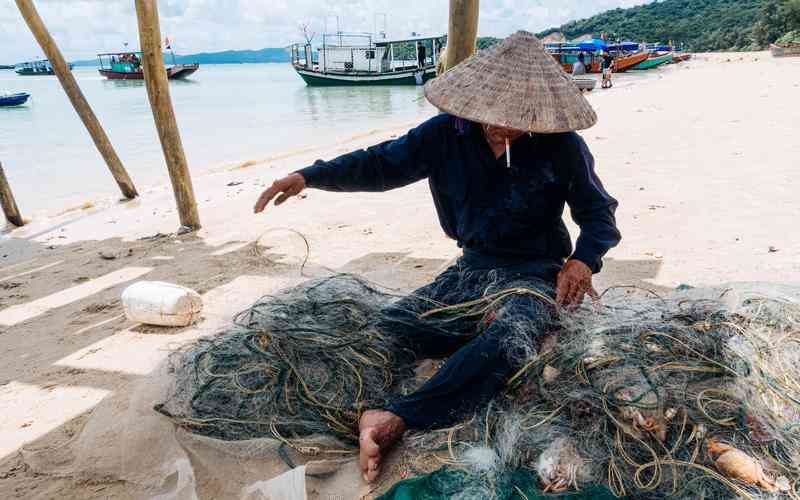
492 211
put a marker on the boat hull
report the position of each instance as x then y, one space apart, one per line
31 72
785 51
319 79
677 58
14 99
625 63
177 72
653 61
584 84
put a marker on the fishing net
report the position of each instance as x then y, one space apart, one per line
694 395
690 395
299 363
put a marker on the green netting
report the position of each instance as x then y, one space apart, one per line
447 483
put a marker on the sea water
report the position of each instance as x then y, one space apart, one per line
227 114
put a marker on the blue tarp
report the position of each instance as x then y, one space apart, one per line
593 45
626 46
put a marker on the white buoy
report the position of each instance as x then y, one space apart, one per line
163 304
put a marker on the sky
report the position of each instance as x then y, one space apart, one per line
83 28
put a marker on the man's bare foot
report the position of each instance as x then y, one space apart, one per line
378 431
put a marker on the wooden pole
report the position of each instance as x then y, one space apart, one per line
77 98
462 31
7 201
155 76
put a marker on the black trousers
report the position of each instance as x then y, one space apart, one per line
483 350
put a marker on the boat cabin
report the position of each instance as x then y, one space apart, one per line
356 58
121 62
33 68
128 66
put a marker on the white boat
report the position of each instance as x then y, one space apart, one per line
357 59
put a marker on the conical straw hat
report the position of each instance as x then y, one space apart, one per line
513 84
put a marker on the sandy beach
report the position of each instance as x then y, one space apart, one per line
702 156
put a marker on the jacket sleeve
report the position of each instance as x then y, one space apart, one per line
592 208
386 166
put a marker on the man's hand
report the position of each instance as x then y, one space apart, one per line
574 281
289 186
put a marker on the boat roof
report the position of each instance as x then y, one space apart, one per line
119 54
408 39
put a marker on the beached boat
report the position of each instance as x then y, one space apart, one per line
128 66
655 59
585 84
566 54
16 99
626 62
355 59
37 68
789 50
679 57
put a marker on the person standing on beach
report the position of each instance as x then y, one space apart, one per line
502 161
579 68
608 69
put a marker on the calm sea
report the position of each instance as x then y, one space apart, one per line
227 114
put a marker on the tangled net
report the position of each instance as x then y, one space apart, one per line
679 397
301 363
693 395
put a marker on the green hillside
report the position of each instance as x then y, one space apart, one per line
701 25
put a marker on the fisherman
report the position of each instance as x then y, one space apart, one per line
502 161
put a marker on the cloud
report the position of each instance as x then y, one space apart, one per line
83 28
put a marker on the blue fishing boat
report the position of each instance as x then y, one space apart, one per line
17 99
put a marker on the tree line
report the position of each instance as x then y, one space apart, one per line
696 25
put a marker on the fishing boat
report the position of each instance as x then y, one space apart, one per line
787 50
37 68
566 54
16 99
655 59
680 57
357 59
128 66
628 61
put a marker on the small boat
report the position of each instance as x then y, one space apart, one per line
626 62
785 50
678 57
37 68
356 59
16 99
128 66
584 84
655 59
566 54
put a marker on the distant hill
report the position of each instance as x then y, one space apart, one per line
702 25
268 55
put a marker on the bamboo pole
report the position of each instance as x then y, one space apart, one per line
10 208
155 76
77 98
462 31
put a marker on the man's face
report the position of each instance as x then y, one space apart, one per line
498 135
